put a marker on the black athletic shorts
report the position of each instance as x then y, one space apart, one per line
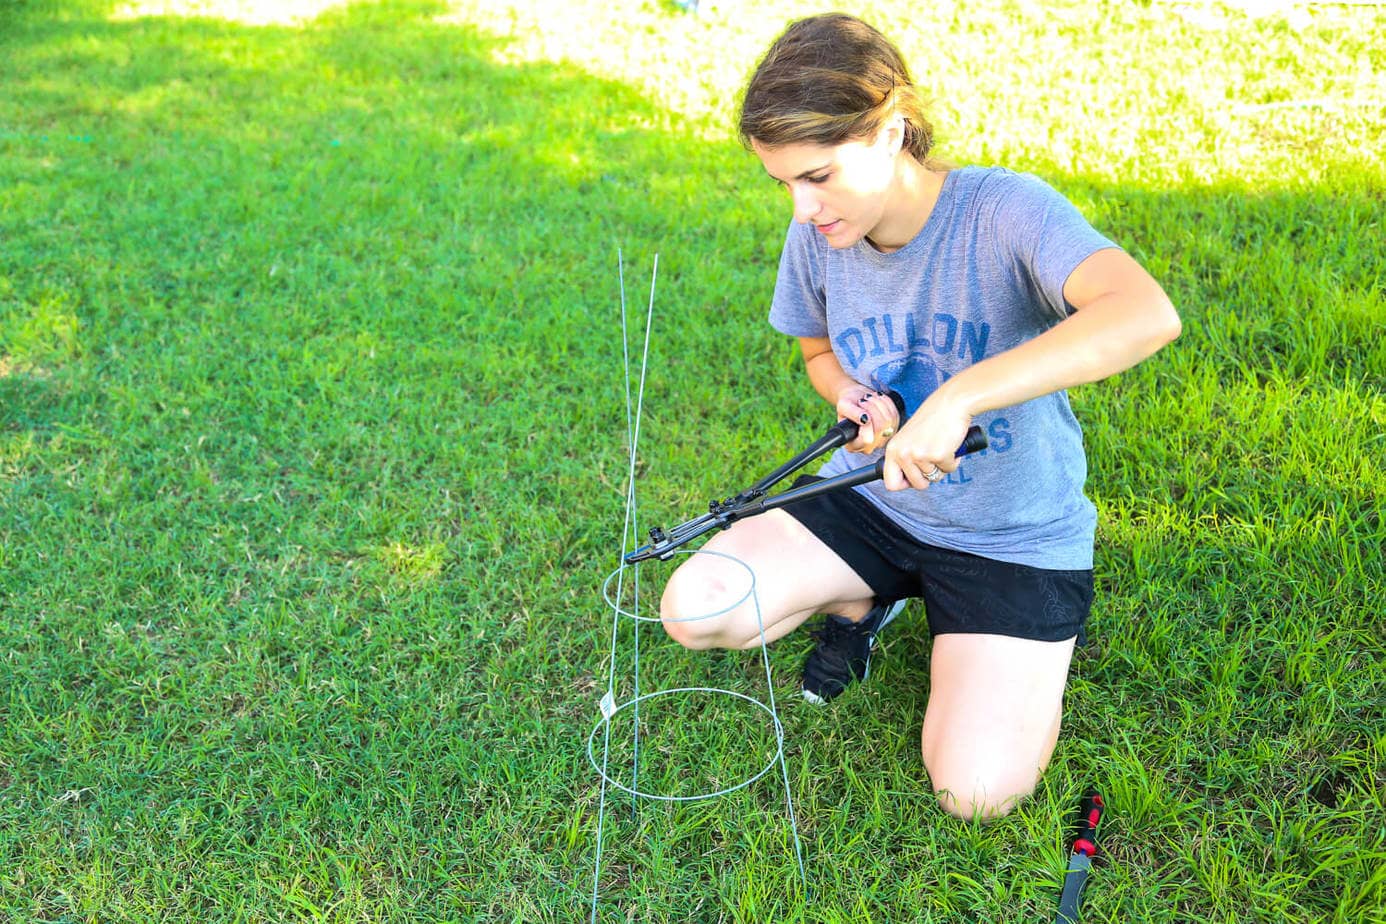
962 592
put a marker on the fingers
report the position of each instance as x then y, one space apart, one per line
905 468
849 407
882 420
912 475
876 415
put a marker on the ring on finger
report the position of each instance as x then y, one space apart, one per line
887 433
935 475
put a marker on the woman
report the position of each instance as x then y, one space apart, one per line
975 296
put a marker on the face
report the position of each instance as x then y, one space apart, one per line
842 190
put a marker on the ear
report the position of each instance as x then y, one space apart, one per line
892 134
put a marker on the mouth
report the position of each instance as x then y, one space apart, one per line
828 228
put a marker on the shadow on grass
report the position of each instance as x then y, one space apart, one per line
335 464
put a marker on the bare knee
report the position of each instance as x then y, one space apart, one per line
688 634
685 608
978 790
982 806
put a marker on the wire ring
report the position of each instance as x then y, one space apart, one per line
775 758
616 605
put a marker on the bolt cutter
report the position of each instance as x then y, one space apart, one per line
755 499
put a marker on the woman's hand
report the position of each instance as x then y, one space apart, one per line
874 411
924 451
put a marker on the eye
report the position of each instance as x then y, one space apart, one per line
820 178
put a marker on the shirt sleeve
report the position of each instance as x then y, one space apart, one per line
800 304
1046 235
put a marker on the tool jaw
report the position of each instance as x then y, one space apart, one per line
664 543
721 514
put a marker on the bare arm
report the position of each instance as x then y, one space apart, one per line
1122 317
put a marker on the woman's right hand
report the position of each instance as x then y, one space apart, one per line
875 413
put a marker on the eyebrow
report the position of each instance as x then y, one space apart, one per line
803 176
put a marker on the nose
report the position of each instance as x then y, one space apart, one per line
806 204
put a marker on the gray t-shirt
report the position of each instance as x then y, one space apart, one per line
984 274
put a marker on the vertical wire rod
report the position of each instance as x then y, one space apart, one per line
635 528
629 525
784 765
615 616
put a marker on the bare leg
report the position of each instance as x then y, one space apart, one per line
995 704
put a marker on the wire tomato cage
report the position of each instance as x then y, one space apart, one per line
695 710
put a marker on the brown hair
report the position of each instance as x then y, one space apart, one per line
830 79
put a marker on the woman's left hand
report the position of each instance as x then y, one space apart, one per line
923 452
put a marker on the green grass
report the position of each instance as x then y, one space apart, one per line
312 457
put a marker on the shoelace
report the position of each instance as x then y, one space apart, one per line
830 638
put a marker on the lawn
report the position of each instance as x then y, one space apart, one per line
313 461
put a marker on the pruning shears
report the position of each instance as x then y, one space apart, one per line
1080 858
756 498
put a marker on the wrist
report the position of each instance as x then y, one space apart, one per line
847 389
955 397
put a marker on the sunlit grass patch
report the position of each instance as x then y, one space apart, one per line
413 562
246 12
44 332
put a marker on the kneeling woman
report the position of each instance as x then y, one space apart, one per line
976 295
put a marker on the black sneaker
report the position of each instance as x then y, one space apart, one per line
844 651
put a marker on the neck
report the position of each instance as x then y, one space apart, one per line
913 193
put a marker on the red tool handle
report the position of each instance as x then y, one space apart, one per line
1089 814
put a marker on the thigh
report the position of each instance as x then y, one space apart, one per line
796 575
993 718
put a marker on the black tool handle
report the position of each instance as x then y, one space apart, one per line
974 441
1075 880
753 500
836 435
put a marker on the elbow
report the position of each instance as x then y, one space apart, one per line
1163 326
1170 326
1158 327
1173 324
